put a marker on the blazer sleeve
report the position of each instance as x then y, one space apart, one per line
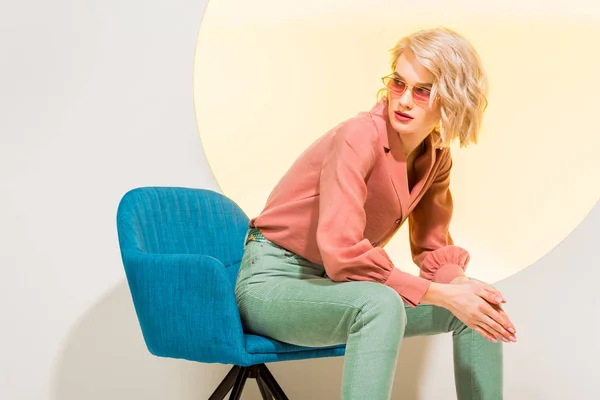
432 247
346 254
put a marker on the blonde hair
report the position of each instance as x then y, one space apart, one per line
459 81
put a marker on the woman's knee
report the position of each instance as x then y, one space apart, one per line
381 303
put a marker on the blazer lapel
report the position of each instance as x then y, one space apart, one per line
397 170
393 154
424 167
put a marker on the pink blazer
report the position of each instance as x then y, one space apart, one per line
347 195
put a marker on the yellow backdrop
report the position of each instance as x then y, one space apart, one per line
271 76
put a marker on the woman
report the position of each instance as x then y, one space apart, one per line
314 271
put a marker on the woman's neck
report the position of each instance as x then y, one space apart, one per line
413 150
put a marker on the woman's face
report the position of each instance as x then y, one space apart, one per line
409 113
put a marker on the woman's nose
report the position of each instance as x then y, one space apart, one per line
406 98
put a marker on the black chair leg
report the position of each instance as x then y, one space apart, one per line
236 379
240 381
265 375
264 391
226 384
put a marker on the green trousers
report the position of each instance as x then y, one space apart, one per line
290 299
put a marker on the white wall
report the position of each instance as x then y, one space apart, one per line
95 99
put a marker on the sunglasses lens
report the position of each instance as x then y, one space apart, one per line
399 86
421 94
396 85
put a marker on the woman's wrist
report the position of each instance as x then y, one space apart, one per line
436 295
460 279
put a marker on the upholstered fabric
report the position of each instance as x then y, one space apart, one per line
181 249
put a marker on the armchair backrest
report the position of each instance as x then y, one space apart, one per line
181 249
175 220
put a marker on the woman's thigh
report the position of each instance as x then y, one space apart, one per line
287 298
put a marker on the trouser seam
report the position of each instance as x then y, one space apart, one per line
248 293
471 361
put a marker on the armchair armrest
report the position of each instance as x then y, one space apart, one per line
186 306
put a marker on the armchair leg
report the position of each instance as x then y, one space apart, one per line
236 379
264 391
240 381
265 375
225 385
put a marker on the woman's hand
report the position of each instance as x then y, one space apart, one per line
478 306
488 292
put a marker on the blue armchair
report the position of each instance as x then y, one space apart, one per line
181 249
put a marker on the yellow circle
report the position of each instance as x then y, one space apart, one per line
271 76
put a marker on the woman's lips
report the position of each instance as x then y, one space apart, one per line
402 117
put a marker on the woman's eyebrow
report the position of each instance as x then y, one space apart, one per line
426 85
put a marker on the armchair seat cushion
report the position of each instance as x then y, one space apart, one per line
263 345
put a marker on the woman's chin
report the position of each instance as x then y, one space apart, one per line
403 130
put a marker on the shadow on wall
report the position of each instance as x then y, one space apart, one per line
104 357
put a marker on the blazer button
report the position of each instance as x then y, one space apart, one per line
398 221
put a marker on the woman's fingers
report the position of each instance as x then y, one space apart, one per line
495 298
491 294
488 292
500 316
497 329
483 332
